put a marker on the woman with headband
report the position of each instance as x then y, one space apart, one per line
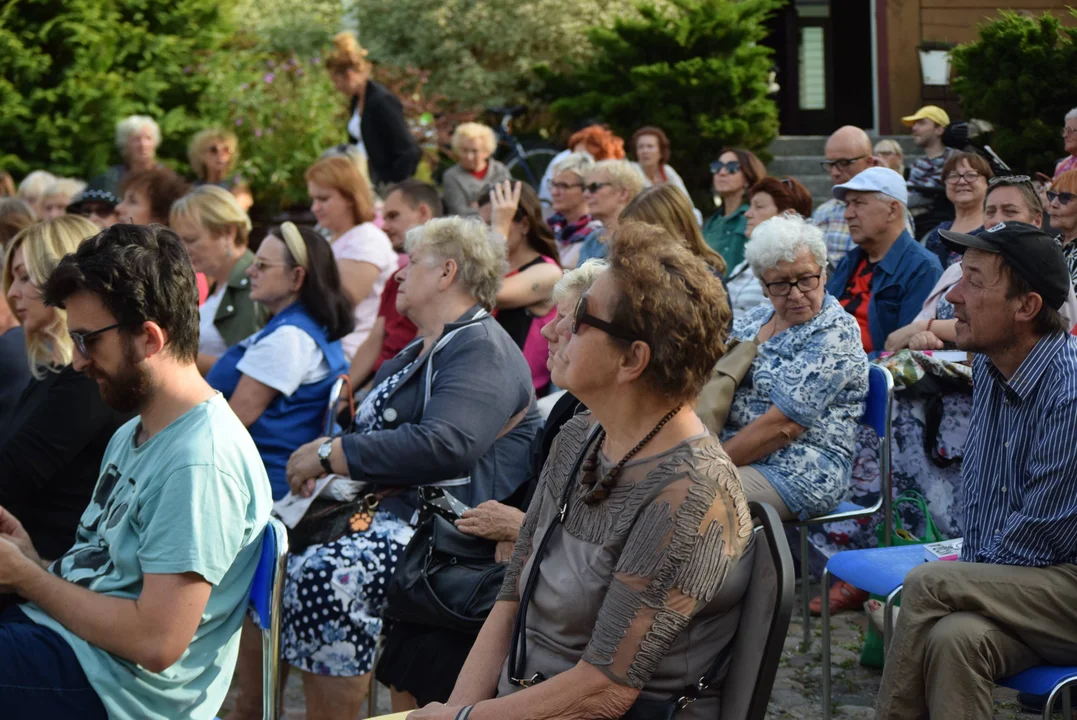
278 379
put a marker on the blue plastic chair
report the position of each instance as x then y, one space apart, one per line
1049 681
880 571
877 416
267 592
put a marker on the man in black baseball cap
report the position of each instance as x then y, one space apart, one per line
1009 604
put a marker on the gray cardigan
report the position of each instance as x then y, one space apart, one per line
459 188
480 380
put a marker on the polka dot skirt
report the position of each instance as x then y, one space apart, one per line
334 597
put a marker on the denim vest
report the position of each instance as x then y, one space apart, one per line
289 421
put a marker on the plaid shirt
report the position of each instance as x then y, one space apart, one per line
830 218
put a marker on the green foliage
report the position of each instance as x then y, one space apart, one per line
69 69
284 111
696 69
481 53
1012 77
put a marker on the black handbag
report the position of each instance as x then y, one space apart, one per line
446 579
643 708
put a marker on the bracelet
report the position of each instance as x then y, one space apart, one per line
464 712
929 323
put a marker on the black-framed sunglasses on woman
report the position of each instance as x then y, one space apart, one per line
82 339
1062 197
581 317
732 167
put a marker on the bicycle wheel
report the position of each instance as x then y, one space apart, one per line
531 166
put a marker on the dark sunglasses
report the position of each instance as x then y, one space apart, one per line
81 339
1062 197
565 186
732 167
595 187
841 164
581 317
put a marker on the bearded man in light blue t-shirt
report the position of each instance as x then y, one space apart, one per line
141 617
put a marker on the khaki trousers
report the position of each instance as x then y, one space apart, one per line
758 489
964 625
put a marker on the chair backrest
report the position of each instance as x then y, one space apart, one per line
334 404
268 585
764 622
880 397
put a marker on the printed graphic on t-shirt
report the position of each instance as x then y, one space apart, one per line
857 298
89 558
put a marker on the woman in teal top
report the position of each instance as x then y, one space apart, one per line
733 173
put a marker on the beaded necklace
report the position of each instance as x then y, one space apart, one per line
600 489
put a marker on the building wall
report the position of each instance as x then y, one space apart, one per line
904 24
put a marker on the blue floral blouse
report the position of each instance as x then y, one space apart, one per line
816 374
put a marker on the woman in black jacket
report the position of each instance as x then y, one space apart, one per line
376 121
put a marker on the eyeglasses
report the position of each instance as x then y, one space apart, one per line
81 339
221 149
261 265
560 186
1068 131
1009 180
841 163
581 317
732 167
595 187
1062 197
969 176
805 284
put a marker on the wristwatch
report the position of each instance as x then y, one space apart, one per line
324 451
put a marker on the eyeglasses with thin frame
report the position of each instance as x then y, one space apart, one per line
732 167
581 317
82 339
562 187
805 283
1067 130
595 187
840 163
969 176
1062 197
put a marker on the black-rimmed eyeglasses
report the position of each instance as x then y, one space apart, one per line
805 284
581 317
82 340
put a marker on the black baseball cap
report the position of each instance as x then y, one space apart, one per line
1032 253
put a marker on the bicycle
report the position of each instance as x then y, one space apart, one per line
526 165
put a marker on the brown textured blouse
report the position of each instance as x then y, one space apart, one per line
646 585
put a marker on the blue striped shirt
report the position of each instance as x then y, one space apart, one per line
1020 466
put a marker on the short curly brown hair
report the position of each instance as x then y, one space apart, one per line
670 299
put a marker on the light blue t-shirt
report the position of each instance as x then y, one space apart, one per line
593 247
193 498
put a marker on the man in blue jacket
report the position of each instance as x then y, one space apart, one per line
884 280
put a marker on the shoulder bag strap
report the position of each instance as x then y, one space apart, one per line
518 646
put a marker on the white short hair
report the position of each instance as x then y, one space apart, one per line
578 281
67 187
33 186
480 254
130 125
781 239
1071 115
578 163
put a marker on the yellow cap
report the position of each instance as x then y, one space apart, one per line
934 113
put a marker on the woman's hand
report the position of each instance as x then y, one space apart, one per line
492 520
503 551
304 467
925 340
435 711
899 339
504 201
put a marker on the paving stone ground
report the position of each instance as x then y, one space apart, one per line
797 686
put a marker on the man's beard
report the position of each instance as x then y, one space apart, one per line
129 389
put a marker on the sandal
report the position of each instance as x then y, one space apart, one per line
842 597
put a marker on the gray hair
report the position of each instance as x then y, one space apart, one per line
480 255
130 125
623 174
1070 115
781 239
68 187
579 163
578 281
33 186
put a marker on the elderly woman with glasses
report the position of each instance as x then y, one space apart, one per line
734 172
792 429
630 568
571 220
609 186
54 438
1069 142
1063 211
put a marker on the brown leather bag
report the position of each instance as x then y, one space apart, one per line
714 401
